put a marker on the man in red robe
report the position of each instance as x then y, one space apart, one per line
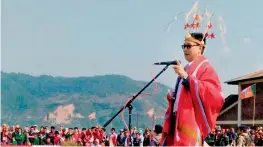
196 102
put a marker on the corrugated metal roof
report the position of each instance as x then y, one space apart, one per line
251 76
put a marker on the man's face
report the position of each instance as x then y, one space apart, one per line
16 129
218 132
126 133
97 130
223 131
70 131
253 131
191 50
31 129
138 136
239 131
112 131
213 131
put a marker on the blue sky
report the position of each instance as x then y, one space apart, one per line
95 37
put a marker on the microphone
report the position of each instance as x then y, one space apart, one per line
167 63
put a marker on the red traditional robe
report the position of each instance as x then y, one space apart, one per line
198 106
113 139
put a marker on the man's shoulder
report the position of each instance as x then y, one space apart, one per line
207 65
241 137
206 69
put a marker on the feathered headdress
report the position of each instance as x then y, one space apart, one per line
201 22
196 25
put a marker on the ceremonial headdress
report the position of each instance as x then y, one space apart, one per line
199 27
197 38
194 29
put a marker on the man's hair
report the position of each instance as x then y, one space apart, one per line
199 36
243 128
253 128
158 129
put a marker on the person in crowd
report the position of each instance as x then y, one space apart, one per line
259 138
156 135
5 136
137 140
223 139
232 136
147 137
128 139
243 138
51 134
210 139
113 137
120 138
18 136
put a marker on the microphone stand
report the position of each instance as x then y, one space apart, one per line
133 98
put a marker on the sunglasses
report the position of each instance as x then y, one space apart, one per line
188 46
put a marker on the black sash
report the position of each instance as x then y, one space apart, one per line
173 114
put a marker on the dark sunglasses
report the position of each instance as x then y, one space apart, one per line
188 46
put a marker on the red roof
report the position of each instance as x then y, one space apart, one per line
251 76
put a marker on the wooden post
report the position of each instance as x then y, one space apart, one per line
254 110
239 106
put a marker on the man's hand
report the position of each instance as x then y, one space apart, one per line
169 95
179 69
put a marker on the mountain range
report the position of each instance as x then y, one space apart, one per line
46 100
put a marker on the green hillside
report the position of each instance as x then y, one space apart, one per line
27 99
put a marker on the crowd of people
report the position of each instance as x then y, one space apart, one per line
244 136
94 136
97 136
